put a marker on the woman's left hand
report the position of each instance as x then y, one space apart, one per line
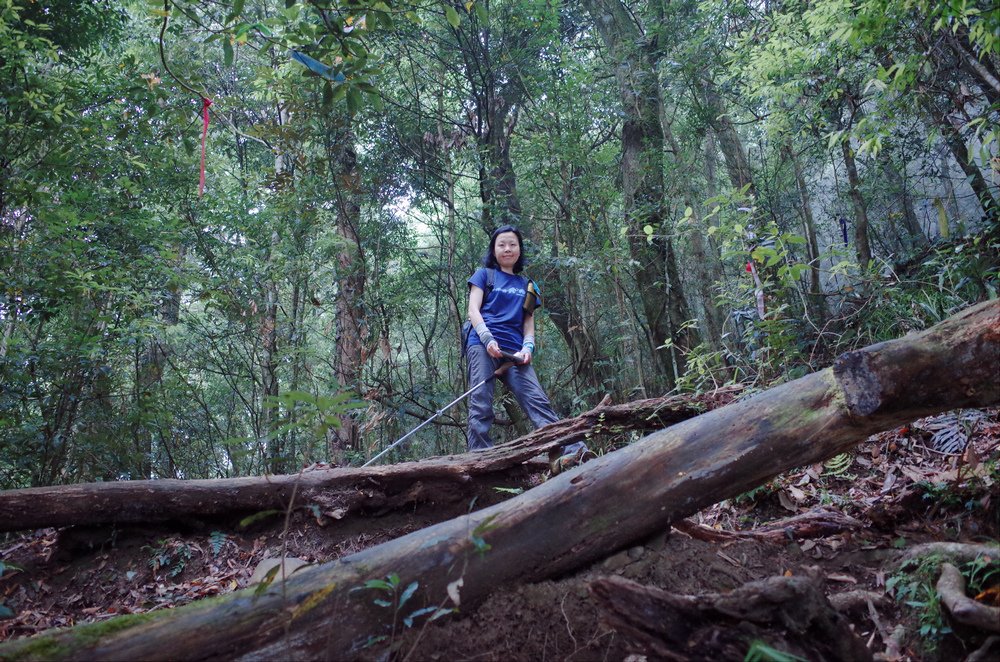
524 356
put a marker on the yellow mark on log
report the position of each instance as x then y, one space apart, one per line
312 600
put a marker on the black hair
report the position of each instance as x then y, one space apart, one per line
490 259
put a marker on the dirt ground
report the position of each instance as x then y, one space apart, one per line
901 490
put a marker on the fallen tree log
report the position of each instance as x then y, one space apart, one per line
790 613
615 501
337 492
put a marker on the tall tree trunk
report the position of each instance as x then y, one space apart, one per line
981 71
59 411
862 245
563 296
950 200
497 180
705 263
815 293
946 77
960 152
149 374
270 388
915 237
269 362
12 308
733 151
656 275
457 293
56 431
490 60
351 279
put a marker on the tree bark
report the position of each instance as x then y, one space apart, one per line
915 237
733 151
338 492
563 302
861 242
960 152
577 517
815 293
351 280
706 265
149 376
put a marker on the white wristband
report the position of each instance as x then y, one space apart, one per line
484 334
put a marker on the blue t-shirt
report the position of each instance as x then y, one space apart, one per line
502 309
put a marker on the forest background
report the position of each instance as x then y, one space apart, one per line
712 191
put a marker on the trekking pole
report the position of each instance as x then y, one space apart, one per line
510 359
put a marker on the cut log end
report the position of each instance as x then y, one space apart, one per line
861 385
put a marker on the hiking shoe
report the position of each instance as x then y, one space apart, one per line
565 462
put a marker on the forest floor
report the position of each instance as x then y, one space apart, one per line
901 489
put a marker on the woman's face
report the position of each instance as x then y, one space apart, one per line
507 250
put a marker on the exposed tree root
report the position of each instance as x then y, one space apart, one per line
815 523
856 600
790 614
990 650
958 552
965 610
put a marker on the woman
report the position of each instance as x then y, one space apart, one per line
503 321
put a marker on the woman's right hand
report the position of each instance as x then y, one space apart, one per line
493 349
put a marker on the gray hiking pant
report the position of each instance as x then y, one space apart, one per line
521 380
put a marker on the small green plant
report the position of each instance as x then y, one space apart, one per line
838 465
5 611
256 517
706 370
217 539
761 652
915 586
827 498
981 573
391 597
476 536
916 589
937 492
754 495
171 555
